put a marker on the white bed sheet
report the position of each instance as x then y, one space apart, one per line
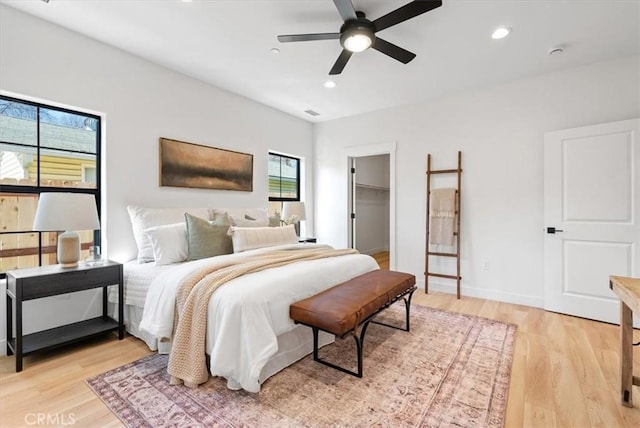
138 277
247 314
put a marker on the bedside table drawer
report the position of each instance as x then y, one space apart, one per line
65 281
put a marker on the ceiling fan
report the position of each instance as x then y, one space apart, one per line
358 33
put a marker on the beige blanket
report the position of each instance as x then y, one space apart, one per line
187 361
442 207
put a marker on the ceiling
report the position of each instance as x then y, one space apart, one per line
228 43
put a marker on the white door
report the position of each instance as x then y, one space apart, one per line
592 199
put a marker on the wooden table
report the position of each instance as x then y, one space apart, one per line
628 290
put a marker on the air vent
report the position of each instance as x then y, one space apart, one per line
312 113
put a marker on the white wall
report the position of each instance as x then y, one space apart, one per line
500 133
142 102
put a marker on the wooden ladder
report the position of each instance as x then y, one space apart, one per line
428 253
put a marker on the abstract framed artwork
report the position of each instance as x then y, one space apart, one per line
193 165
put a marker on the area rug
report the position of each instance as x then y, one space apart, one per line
450 370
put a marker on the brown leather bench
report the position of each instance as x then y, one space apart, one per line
348 307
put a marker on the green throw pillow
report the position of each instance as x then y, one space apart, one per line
206 240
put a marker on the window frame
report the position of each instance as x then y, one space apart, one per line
299 190
38 188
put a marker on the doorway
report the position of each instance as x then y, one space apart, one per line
371 204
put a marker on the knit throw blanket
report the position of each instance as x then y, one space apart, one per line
187 360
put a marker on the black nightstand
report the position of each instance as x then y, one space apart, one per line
303 239
47 281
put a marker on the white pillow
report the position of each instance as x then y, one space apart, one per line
248 221
169 243
250 238
144 218
259 214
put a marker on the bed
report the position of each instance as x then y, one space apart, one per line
249 335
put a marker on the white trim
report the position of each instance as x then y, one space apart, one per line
482 293
372 150
50 103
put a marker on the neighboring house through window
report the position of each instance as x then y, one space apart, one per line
42 149
284 180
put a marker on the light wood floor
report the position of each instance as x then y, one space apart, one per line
382 258
565 372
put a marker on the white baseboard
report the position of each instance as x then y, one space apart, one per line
482 293
374 251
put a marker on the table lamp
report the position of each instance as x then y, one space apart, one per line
293 213
66 212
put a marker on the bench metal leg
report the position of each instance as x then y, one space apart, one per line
407 305
360 338
359 344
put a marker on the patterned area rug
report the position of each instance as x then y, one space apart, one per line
450 370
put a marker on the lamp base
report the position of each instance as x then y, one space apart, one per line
68 249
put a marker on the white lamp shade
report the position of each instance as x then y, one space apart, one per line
291 209
66 211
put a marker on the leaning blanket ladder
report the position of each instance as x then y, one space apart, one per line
456 232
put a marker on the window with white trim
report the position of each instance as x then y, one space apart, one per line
43 148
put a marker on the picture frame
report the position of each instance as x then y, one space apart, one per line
192 165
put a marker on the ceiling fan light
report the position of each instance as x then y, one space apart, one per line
357 42
357 36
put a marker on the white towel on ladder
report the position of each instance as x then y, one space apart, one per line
442 215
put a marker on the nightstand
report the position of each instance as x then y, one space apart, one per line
46 281
307 239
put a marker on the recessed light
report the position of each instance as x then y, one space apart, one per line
275 51
500 33
187 1
329 84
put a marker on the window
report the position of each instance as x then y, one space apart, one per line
284 180
42 149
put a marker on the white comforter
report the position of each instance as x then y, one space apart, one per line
248 313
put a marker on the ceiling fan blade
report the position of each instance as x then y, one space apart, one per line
308 37
408 11
395 52
341 62
345 7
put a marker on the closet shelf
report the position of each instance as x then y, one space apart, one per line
369 186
